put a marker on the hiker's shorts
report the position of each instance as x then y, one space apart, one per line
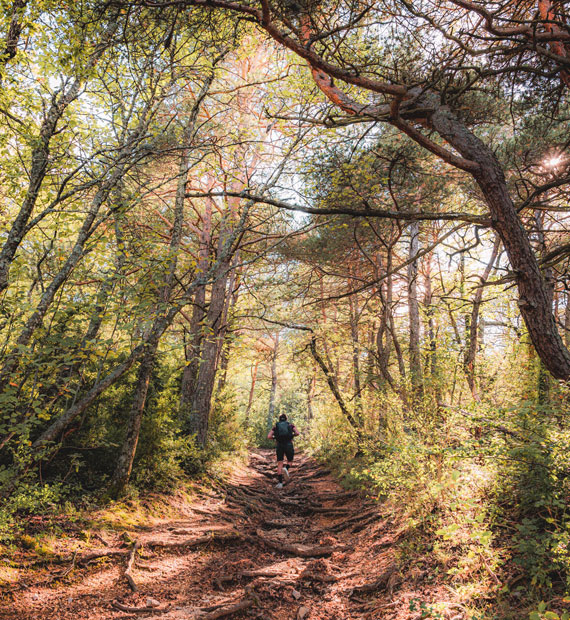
285 449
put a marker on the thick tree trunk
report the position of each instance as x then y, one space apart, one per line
202 395
534 301
225 343
196 331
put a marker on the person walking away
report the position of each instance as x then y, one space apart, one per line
283 433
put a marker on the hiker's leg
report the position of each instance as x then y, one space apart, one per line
290 454
280 455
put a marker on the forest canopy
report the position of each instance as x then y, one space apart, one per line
352 212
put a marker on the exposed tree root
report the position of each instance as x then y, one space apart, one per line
214 535
197 613
359 518
332 510
378 584
139 610
130 564
300 550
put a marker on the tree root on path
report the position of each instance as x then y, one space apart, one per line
275 524
130 564
139 610
378 584
338 497
370 516
213 536
332 510
202 613
300 550
311 475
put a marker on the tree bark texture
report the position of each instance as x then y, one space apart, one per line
358 410
196 331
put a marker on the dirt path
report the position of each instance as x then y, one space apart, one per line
308 551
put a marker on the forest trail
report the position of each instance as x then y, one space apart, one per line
247 550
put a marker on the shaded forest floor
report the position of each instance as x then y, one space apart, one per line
242 550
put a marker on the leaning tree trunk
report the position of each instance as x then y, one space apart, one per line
331 380
128 450
534 301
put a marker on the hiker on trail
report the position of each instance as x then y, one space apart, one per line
283 433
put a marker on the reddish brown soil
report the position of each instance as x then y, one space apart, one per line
203 564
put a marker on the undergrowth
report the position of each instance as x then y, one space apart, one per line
483 497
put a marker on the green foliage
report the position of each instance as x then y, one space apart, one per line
227 432
533 486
